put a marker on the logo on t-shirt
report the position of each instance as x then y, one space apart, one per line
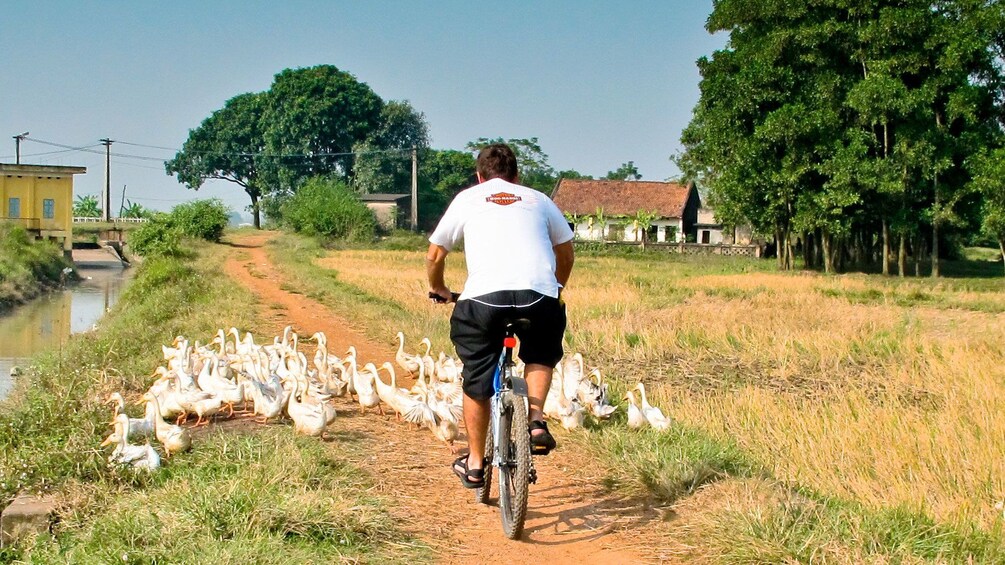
503 198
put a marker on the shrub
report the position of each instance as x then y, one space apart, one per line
157 238
328 208
204 219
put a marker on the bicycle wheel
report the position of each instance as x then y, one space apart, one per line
513 477
482 493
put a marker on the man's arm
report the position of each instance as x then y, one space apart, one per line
436 260
564 258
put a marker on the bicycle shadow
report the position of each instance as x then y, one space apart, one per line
551 521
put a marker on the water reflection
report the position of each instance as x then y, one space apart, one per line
46 323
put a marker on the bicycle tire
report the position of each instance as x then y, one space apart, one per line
514 477
482 493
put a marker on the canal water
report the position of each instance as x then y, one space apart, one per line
47 322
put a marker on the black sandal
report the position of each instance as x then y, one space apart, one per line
540 444
470 478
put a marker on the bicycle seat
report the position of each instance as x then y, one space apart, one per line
517 324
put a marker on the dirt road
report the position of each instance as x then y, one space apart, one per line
569 521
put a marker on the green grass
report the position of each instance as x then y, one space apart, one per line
783 522
269 497
27 267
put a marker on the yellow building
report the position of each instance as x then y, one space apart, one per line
40 198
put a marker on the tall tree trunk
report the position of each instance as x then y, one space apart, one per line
886 248
828 252
808 250
918 243
255 210
1001 247
935 248
902 257
790 253
779 249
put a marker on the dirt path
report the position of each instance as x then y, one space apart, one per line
569 521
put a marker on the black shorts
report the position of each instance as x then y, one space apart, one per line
477 328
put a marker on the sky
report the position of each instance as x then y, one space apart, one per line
599 83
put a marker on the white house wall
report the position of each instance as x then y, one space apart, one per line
586 231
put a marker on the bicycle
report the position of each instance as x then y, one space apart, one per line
509 433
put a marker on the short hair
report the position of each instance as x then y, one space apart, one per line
497 161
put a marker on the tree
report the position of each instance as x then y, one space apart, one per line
532 162
134 210
383 161
229 146
989 180
329 208
627 171
308 123
314 118
833 121
86 206
643 220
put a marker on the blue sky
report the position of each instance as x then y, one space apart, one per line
598 83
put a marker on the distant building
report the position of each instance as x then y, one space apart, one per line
40 198
675 205
389 209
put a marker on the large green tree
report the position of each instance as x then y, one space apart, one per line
309 123
837 123
532 161
229 146
383 162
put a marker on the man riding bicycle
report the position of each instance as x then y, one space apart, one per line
518 250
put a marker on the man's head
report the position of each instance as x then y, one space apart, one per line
497 161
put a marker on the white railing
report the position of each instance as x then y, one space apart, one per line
87 220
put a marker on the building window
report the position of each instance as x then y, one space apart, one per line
705 236
14 208
671 235
48 208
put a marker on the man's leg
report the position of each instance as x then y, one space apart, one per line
477 414
538 383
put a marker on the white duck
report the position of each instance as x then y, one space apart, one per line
636 419
139 456
138 427
407 362
175 439
362 383
307 419
267 392
653 414
411 408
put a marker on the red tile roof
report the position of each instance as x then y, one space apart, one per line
621 198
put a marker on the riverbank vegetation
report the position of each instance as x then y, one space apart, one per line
270 497
847 418
27 267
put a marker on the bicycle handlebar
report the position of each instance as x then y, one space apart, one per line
440 300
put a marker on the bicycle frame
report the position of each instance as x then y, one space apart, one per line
507 387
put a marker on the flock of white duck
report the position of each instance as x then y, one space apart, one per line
278 382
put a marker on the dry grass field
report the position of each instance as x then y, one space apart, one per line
884 396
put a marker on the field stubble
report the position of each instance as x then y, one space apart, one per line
883 392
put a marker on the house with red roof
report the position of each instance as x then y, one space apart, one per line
606 209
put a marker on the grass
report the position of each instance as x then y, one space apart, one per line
880 395
268 497
27 267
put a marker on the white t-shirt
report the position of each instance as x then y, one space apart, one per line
509 232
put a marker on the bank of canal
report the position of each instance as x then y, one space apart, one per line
48 321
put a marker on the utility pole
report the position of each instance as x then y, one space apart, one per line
106 198
415 189
17 146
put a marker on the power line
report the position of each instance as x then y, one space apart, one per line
265 154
